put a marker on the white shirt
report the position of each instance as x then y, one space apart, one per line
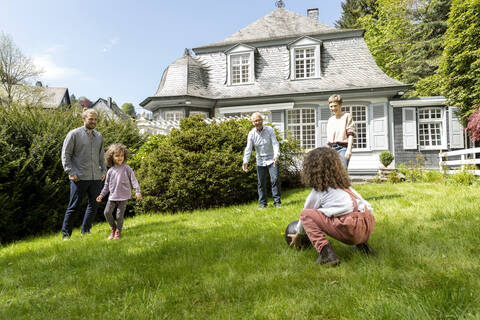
266 146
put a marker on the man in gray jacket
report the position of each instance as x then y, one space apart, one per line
82 160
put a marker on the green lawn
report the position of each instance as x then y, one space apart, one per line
233 263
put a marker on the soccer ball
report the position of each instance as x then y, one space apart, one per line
291 229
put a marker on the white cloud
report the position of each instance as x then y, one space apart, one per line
52 71
111 42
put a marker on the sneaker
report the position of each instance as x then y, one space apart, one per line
278 205
65 238
262 206
327 256
112 234
117 235
365 248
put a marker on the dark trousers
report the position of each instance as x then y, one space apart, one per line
77 191
262 183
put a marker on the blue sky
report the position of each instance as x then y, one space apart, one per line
119 49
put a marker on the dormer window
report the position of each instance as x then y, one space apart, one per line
240 65
305 58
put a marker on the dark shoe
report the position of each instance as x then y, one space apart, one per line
365 248
278 205
327 256
262 206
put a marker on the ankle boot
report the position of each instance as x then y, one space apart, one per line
327 256
112 234
365 248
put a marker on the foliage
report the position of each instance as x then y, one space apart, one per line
15 70
199 166
129 109
460 62
473 126
234 263
394 177
353 10
34 189
386 157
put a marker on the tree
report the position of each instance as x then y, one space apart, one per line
429 27
15 69
473 127
460 62
353 10
73 99
129 109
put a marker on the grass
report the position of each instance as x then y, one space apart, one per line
233 263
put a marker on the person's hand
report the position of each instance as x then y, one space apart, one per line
245 167
275 161
74 178
138 196
348 154
99 198
296 241
103 177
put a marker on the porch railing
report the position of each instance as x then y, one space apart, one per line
461 158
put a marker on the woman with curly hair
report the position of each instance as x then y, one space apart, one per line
333 207
119 183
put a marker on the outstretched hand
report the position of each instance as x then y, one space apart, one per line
296 241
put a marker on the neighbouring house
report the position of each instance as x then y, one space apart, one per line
45 96
285 66
109 108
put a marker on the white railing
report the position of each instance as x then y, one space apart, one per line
466 157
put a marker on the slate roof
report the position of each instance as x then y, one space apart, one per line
278 24
47 97
346 64
113 107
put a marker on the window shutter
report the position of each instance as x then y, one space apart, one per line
379 127
456 130
409 128
324 115
278 121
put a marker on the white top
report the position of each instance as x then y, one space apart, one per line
266 146
333 203
338 129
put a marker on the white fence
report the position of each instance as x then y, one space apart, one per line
461 158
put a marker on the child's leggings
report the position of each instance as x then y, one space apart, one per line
352 228
110 207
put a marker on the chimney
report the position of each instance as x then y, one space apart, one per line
109 102
312 13
38 84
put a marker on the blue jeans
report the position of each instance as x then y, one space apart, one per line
262 184
341 150
77 191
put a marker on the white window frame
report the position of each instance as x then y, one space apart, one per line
239 51
202 114
303 44
174 115
348 108
302 127
438 122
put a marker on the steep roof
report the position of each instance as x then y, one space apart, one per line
278 24
47 97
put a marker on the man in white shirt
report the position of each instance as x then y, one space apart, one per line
267 149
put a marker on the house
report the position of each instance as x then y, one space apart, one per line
47 97
285 66
109 108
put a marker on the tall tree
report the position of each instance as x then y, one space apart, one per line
460 62
353 10
15 69
386 35
129 109
429 27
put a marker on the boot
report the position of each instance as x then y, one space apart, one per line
365 248
112 234
327 256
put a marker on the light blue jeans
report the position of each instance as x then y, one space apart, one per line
341 150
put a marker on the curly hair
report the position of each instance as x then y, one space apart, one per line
323 168
112 149
335 98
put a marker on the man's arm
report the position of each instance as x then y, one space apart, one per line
67 154
247 152
276 147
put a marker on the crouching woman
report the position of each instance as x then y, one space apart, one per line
332 208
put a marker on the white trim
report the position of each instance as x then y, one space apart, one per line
443 128
258 108
305 43
419 103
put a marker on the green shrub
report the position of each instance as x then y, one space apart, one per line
393 177
386 158
199 166
34 189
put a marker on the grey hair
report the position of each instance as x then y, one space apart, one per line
255 114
